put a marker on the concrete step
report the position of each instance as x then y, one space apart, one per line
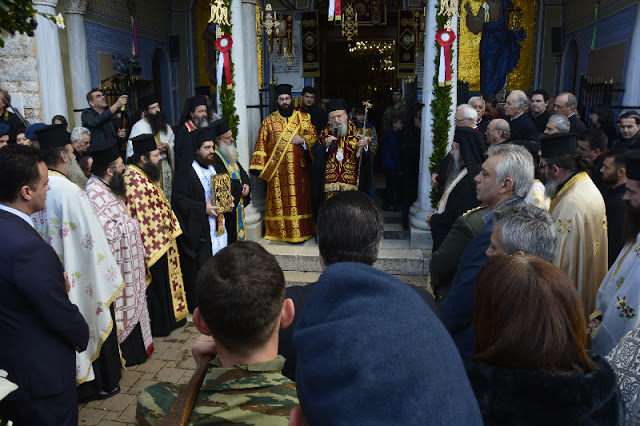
295 278
394 231
393 260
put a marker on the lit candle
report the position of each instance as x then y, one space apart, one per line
356 16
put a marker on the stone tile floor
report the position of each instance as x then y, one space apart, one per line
171 361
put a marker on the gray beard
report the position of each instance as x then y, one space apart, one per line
551 188
340 130
73 172
200 123
454 169
229 152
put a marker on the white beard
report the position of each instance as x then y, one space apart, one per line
229 151
551 188
74 173
340 130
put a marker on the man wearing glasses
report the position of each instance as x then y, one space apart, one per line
101 119
566 104
80 139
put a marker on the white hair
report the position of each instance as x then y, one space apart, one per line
78 132
562 122
470 112
521 97
475 99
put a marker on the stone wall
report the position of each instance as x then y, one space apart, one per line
20 73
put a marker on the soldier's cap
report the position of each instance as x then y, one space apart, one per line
283 89
558 145
144 143
196 101
104 152
30 133
53 136
203 91
220 127
633 164
371 351
396 90
336 105
147 100
4 129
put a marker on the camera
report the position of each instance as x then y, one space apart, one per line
126 66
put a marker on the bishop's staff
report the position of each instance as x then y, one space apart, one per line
366 104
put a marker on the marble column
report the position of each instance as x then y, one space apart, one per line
420 234
78 55
244 56
631 81
52 92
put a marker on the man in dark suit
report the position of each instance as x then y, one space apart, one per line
40 329
566 104
522 127
539 113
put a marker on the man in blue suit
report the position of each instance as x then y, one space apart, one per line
40 329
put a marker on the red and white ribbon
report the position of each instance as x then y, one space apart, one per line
445 39
335 10
224 44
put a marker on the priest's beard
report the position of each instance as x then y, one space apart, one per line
73 172
285 110
229 151
200 123
158 122
152 171
551 188
340 130
631 224
455 166
117 184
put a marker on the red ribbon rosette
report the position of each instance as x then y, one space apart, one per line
224 44
445 39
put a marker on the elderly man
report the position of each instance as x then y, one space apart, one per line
318 115
101 119
106 191
478 104
566 104
539 113
70 225
40 328
498 131
195 206
193 117
80 140
467 153
578 210
281 158
341 158
159 228
557 123
154 122
629 126
506 177
522 127
619 294
226 161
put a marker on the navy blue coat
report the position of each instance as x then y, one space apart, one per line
457 309
40 329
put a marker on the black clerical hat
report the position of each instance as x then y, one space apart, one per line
196 101
144 143
283 89
335 105
104 152
203 91
633 164
220 127
205 134
558 145
147 100
53 136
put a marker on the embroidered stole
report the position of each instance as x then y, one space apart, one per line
442 204
216 225
234 170
282 146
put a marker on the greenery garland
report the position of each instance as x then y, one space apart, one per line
440 109
228 96
20 16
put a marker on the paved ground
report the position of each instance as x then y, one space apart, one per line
171 361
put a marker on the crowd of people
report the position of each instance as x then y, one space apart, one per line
116 235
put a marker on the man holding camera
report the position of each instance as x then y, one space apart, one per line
100 119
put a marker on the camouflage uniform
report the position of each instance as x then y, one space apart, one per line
390 113
255 394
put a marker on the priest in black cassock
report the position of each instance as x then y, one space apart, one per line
203 229
194 116
226 161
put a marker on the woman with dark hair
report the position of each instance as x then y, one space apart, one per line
529 365
602 117
60 119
